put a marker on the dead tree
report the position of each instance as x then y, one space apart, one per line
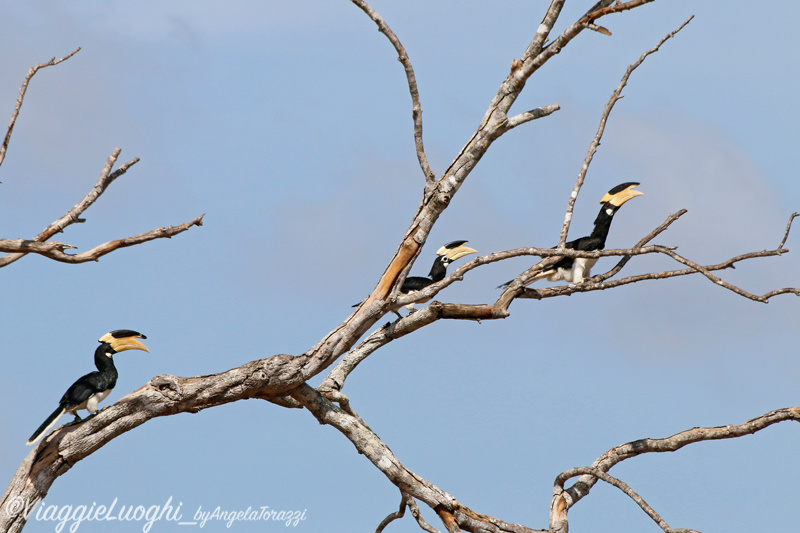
283 378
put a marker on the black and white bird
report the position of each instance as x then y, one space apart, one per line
94 387
576 269
444 256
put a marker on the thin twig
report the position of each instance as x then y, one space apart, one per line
393 516
647 238
416 110
718 281
788 228
33 70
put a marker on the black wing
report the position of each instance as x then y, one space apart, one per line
415 283
84 388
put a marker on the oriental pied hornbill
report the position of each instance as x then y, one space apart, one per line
444 256
576 269
93 388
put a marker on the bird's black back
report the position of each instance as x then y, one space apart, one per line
415 283
585 244
86 386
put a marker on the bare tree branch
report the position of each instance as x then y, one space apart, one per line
647 238
591 285
55 250
33 70
18 248
621 485
336 378
533 114
788 228
416 111
415 512
407 501
563 499
393 516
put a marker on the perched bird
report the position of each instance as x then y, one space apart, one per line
444 256
591 25
93 388
599 5
576 269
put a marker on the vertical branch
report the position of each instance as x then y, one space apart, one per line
21 96
615 96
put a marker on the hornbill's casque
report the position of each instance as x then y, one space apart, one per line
444 256
576 269
93 388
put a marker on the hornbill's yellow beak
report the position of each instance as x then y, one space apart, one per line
121 340
455 250
621 194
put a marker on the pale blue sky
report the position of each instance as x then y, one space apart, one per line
289 125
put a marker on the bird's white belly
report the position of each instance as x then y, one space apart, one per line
581 269
91 404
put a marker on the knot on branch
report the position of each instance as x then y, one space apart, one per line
168 386
443 199
281 370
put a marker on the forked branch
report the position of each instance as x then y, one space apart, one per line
18 248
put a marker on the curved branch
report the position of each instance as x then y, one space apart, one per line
563 499
647 238
416 109
788 229
393 516
31 72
